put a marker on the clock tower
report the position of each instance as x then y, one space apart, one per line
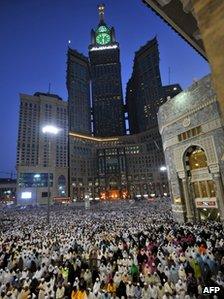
106 85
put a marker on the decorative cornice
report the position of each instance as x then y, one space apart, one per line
206 128
214 168
188 113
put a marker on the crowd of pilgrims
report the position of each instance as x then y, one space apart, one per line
121 250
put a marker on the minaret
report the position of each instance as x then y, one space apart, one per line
101 9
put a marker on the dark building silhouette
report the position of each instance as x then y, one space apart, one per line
145 93
78 86
131 104
144 89
107 98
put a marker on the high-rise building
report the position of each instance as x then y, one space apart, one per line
144 89
78 86
36 156
131 103
107 98
108 165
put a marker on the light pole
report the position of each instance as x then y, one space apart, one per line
49 130
163 169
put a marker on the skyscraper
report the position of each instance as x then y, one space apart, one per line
35 157
78 80
107 98
144 89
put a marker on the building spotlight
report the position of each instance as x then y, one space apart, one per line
49 129
163 168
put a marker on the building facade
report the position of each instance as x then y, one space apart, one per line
144 89
7 190
102 163
78 86
145 93
193 142
38 154
106 85
110 164
117 167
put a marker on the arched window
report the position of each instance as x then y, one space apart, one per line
197 159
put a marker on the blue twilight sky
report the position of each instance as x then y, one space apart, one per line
34 37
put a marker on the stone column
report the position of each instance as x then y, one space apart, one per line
188 202
214 169
196 210
219 194
210 19
207 189
199 188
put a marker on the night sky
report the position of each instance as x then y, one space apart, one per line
34 39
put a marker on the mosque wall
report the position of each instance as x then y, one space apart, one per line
193 120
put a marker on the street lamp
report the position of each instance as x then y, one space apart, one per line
49 130
163 169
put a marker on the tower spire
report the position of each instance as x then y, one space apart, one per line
101 9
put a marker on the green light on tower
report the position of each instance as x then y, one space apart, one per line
103 38
102 29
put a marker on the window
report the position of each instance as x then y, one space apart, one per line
204 189
35 179
190 133
211 188
197 159
61 185
196 189
204 192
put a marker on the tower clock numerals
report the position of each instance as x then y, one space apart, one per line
103 39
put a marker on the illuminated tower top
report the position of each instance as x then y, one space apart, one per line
103 35
101 9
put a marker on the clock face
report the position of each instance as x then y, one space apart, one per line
103 38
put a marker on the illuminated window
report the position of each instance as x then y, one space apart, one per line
197 159
35 179
61 185
211 187
196 189
184 135
198 130
190 133
194 132
203 188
